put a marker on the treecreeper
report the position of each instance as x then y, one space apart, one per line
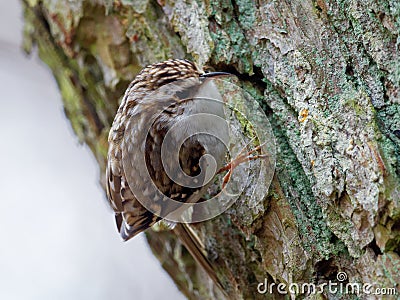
166 144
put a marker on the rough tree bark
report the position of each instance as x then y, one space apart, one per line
327 74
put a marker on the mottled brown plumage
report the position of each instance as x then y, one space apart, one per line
148 110
131 216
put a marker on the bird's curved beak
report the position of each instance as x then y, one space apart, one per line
214 74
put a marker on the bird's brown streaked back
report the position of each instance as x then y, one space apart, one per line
131 216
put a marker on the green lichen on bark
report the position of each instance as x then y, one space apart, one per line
327 74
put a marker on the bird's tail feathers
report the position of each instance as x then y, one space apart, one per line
196 248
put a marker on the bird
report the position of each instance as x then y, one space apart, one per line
138 180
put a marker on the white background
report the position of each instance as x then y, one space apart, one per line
57 236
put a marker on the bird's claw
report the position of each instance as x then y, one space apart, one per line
239 159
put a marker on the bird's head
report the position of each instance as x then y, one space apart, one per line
159 74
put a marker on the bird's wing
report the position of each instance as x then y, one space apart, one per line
143 169
131 217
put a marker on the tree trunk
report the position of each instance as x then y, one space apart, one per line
327 74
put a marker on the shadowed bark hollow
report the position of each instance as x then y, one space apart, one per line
327 74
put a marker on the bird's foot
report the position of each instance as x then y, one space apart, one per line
239 159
